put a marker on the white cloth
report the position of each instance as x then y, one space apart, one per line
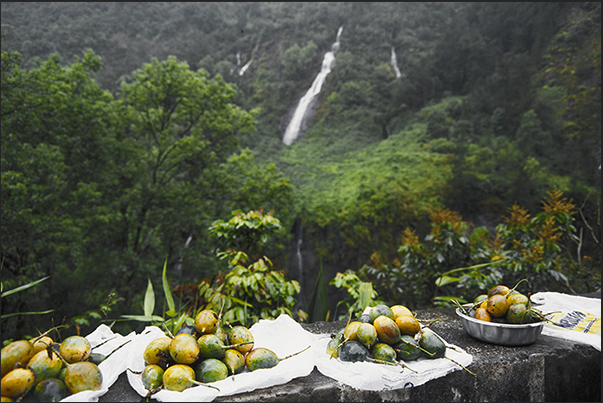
112 367
374 376
575 317
282 335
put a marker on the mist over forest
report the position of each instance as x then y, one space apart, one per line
129 129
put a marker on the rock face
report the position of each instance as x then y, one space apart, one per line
548 370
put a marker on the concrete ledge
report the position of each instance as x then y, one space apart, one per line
551 369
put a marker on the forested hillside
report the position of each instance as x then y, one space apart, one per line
129 128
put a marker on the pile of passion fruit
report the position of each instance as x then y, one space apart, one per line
49 371
201 354
385 335
502 304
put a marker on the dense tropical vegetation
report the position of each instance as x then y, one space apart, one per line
131 135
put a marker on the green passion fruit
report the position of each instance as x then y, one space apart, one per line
379 310
407 349
261 357
74 349
16 382
45 364
50 390
366 334
517 298
152 376
383 352
333 347
353 351
211 370
83 375
17 352
210 346
519 314
434 346
184 349
234 360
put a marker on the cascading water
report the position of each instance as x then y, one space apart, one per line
394 63
245 67
294 127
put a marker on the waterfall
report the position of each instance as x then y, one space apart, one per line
238 62
293 129
245 67
394 63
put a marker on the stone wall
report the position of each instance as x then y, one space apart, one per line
550 369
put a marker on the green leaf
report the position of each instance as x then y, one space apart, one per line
143 318
365 291
23 287
149 300
443 280
26 313
168 293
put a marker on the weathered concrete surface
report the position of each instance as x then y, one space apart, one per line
548 370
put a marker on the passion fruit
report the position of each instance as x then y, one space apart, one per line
50 390
519 314
400 310
351 330
42 343
517 298
241 338
497 305
261 357
158 352
178 377
387 330
83 375
152 376
498 289
210 346
366 334
408 324
75 349
353 351
383 352
482 314
206 321
333 348
379 310
45 364
16 382
407 349
234 360
211 370
18 352
434 346
184 349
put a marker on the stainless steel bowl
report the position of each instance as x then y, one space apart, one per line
501 333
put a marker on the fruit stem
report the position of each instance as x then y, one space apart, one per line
419 347
106 341
460 365
204 384
513 289
114 350
294 354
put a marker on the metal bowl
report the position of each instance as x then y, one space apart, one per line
501 333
